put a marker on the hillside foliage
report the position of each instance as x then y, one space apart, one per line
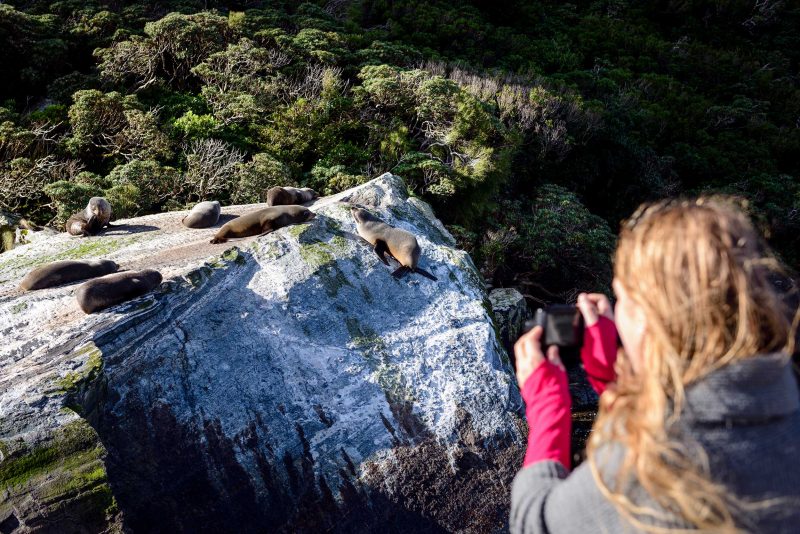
531 127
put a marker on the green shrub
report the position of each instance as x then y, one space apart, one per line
154 182
70 197
255 177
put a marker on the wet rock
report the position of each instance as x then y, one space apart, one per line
285 380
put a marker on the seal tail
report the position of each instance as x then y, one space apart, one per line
426 274
403 270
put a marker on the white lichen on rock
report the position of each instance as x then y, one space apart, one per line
293 366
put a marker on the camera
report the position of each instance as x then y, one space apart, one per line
562 324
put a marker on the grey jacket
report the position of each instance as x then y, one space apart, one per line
746 418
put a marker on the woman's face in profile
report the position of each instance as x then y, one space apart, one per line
631 325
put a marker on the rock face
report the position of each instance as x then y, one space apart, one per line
279 383
510 313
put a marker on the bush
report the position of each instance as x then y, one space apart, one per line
255 177
124 199
555 241
331 180
70 197
153 183
192 126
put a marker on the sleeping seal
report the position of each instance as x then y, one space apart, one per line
106 291
284 196
401 245
64 272
263 222
203 215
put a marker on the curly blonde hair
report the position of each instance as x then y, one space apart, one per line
704 279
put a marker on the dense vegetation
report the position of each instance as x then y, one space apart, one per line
532 127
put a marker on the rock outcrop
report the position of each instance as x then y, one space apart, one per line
510 313
279 383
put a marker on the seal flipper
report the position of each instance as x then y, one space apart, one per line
92 226
426 274
381 249
400 272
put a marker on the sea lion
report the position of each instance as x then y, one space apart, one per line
94 217
203 215
400 244
284 196
99 210
78 224
106 291
263 222
64 272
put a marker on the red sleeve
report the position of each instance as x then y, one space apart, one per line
547 408
599 352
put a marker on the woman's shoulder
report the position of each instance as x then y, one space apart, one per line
545 498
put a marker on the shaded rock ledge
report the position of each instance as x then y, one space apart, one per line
280 383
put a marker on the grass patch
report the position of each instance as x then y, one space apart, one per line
90 370
74 445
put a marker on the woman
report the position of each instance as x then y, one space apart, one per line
698 424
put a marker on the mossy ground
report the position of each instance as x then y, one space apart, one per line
321 243
69 466
88 372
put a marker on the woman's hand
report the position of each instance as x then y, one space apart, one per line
544 387
528 354
593 305
599 350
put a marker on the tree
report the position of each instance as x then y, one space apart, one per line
211 165
167 53
255 177
113 125
240 82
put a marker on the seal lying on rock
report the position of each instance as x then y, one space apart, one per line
93 218
112 289
263 222
284 196
203 215
401 245
64 272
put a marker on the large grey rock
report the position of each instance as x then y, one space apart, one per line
281 383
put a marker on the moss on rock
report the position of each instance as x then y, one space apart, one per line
67 467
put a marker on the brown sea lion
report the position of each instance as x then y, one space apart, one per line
99 209
94 217
284 196
263 222
64 272
400 244
203 215
106 291
78 224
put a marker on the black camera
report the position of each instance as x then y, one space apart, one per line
562 324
